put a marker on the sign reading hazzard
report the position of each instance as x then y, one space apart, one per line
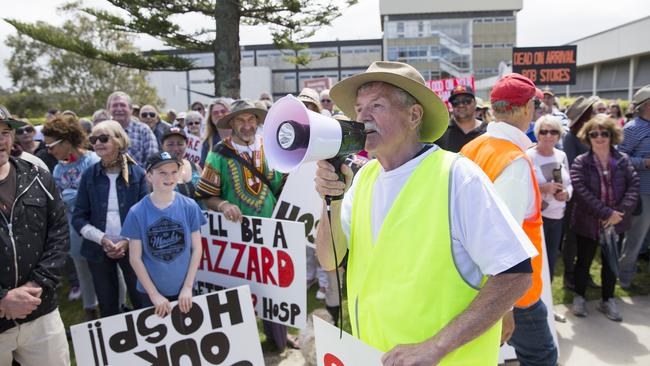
266 254
219 329
546 65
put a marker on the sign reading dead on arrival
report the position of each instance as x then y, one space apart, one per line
546 65
266 254
219 329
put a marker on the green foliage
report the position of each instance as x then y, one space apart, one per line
50 77
290 21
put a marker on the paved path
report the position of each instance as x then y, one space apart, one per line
596 340
591 341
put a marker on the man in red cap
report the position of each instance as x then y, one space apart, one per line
501 153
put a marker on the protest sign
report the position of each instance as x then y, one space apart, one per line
193 149
219 329
443 87
333 350
266 254
546 65
300 202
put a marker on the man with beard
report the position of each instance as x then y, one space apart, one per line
463 125
34 242
237 181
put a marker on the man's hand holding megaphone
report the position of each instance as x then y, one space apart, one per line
327 180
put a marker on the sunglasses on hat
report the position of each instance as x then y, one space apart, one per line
101 138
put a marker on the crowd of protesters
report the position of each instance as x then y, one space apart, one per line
114 175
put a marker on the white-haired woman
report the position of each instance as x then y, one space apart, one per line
551 168
106 192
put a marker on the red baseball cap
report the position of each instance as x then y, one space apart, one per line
515 89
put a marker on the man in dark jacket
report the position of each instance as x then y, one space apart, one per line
33 245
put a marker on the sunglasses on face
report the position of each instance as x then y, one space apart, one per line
24 130
50 146
552 132
461 101
198 109
326 101
148 115
193 123
595 134
101 138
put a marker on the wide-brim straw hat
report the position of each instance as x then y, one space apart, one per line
435 118
310 95
238 107
579 107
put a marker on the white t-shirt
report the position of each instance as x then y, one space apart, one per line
113 221
543 167
511 183
485 237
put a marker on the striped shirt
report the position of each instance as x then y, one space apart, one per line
143 142
636 144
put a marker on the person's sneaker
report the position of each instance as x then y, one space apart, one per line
559 318
320 294
579 307
610 309
74 294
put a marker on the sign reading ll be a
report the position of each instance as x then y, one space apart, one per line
546 65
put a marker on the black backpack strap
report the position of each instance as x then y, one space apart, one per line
224 151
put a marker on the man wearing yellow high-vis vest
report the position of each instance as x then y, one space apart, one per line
435 259
501 153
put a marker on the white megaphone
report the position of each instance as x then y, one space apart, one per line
294 135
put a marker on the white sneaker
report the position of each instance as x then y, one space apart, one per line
579 307
74 294
610 309
320 294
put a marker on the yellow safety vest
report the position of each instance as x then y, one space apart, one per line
405 288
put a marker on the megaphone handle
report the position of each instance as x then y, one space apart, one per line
337 162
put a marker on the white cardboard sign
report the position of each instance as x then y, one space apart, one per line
266 254
193 149
220 329
300 202
333 350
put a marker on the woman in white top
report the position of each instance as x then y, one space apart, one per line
106 192
551 168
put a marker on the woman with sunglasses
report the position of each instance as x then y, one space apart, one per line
66 141
606 190
552 173
106 192
193 123
217 109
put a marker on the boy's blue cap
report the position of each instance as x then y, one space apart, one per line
159 159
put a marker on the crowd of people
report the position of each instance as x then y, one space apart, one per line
87 198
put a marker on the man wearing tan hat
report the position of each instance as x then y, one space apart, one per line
423 284
636 144
501 153
237 180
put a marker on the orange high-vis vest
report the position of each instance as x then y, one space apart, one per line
493 156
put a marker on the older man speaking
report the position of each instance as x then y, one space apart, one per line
435 259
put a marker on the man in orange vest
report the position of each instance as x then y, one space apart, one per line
500 152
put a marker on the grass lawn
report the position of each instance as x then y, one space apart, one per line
72 313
